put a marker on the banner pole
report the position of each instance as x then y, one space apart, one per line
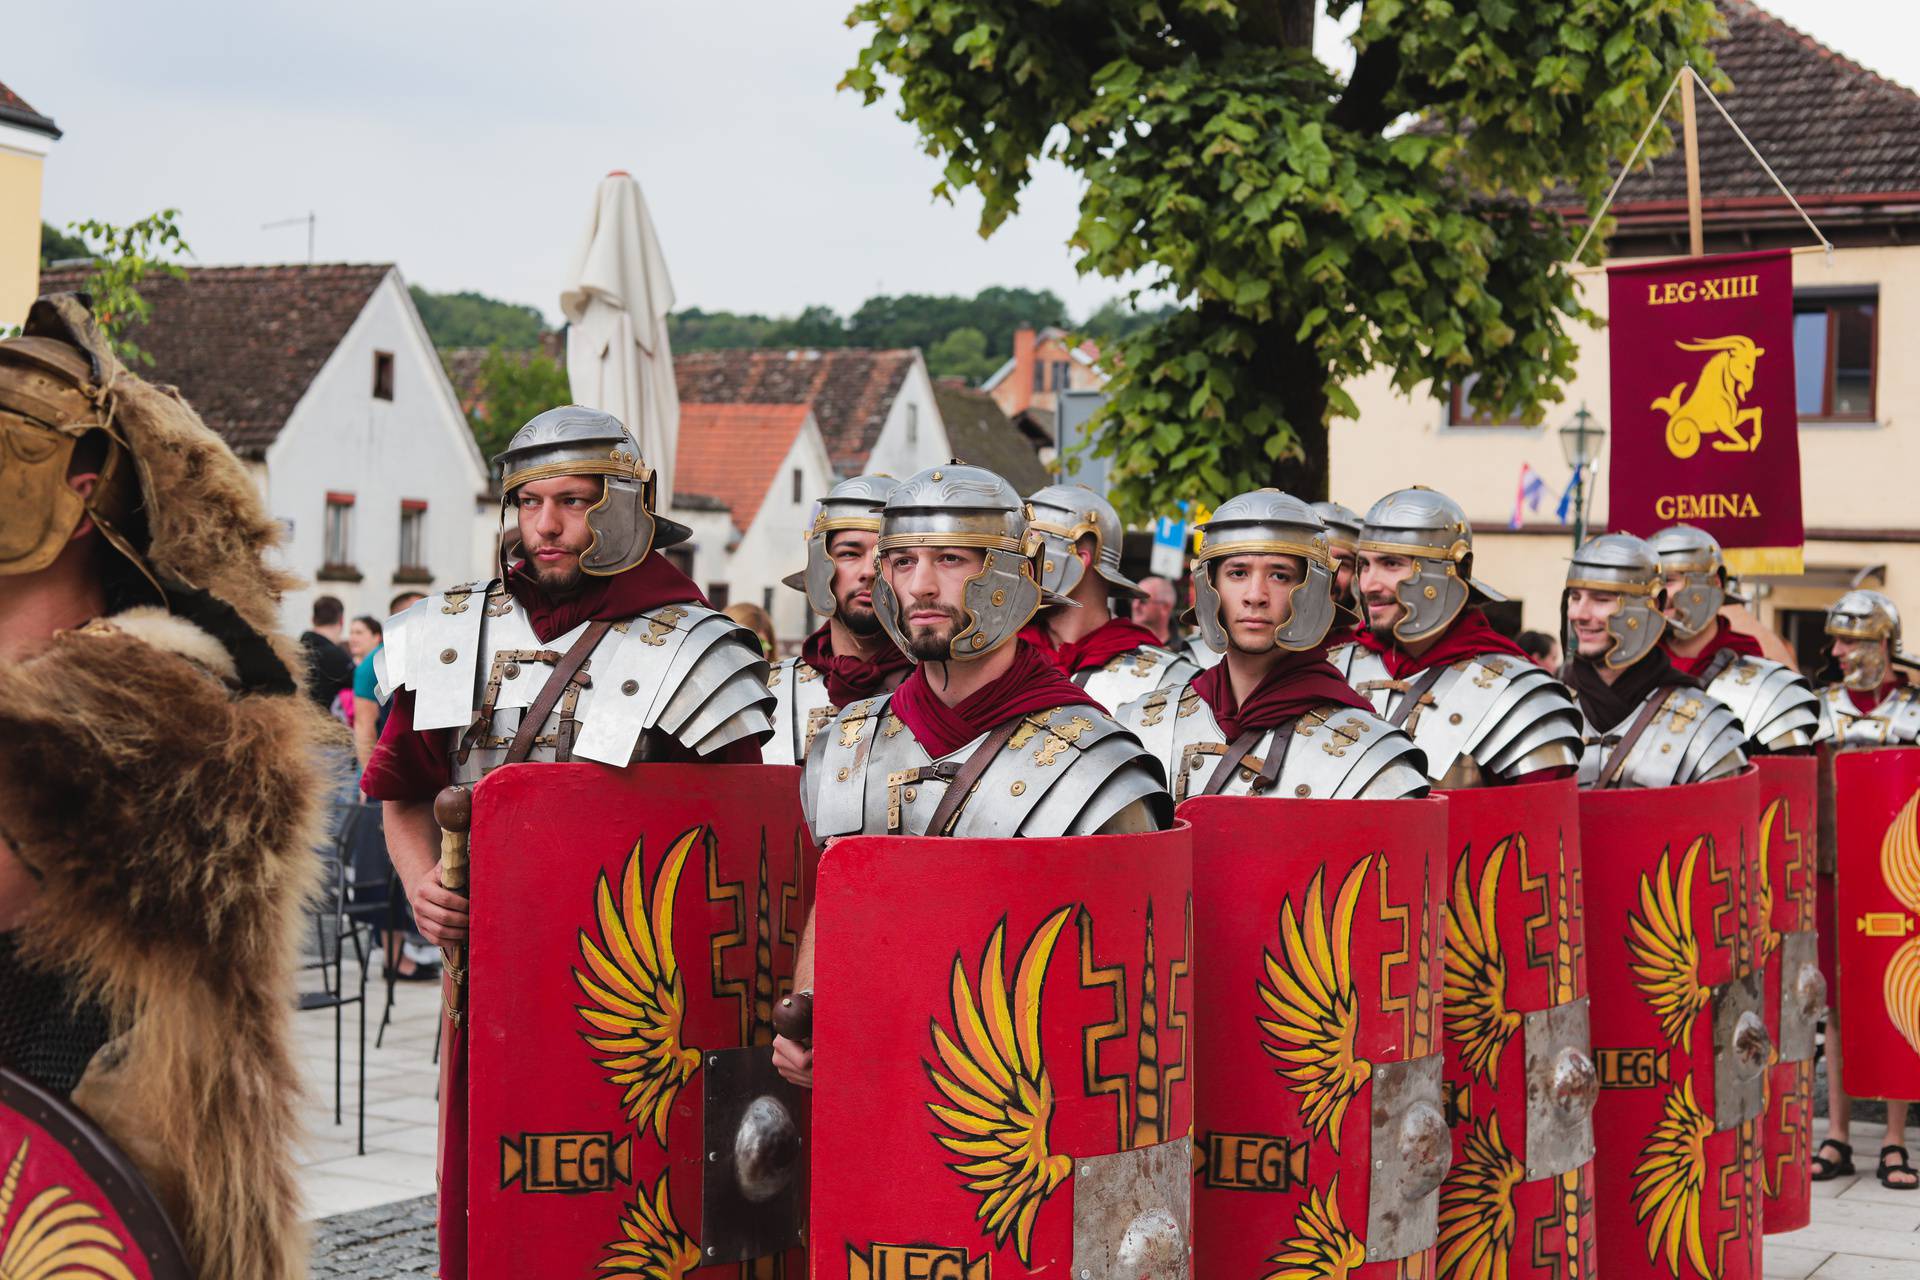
1696 238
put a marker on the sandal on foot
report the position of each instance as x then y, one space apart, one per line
1825 1169
1895 1173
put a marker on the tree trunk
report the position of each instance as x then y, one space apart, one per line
1291 376
1287 24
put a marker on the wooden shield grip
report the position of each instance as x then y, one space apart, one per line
453 810
793 1018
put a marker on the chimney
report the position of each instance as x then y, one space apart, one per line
1022 379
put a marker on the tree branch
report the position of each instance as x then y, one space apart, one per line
1283 24
1363 107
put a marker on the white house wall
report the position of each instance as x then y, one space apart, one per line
775 545
899 453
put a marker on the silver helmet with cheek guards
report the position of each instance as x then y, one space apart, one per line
1343 525
957 505
1867 616
854 503
1626 566
1267 522
574 440
1693 554
1062 515
1432 530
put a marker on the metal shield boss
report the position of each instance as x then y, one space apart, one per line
71 1202
1520 1077
1674 920
632 932
1794 991
1006 1039
1320 1118
1877 930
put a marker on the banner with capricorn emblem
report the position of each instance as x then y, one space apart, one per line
1673 914
1796 994
1518 1201
1320 1119
1004 1039
1877 881
632 932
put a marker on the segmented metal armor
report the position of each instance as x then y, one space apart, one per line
801 709
1136 672
1874 620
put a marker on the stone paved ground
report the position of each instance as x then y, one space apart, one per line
387 1242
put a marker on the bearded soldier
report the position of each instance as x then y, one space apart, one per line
1343 536
1873 704
159 807
1273 716
591 647
1479 708
1774 702
1647 724
1113 659
850 656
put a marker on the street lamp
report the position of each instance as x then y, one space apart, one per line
1580 441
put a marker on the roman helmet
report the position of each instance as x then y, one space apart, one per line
574 440
1267 522
958 505
1694 554
1867 616
854 503
1343 525
1430 529
1062 513
1628 567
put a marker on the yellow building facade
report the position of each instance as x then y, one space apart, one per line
26 136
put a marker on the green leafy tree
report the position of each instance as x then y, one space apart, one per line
961 354
1307 233
123 258
513 387
1121 318
470 319
57 246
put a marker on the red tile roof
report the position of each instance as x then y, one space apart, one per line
14 110
244 343
733 452
850 389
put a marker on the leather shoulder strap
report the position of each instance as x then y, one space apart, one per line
1616 762
964 781
1223 772
563 673
1718 664
1416 691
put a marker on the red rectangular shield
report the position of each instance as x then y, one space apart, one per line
1673 917
1318 1011
1877 878
631 932
1789 790
1004 1079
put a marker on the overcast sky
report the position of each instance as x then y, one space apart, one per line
464 141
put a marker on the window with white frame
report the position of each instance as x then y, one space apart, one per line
338 529
413 533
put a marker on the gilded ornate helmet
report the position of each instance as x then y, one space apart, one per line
1061 514
1694 554
1430 529
1343 525
1267 522
577 441
957 505
1867 615
854 503
1628 567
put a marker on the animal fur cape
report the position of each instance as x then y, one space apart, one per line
159 771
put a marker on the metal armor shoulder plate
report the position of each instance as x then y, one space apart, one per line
689 672
800 709
1693 737
1773 701
1347 656
1491 716
1135 672
433 648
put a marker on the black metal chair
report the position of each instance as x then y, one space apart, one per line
338 926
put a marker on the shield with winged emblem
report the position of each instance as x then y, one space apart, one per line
1794 990
1003 1031
1877 925
1673 926
632 932
1320 1121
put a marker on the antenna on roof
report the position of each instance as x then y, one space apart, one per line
309 220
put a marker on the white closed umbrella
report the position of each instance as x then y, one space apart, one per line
616 299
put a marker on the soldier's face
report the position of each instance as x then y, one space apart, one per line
1863 663
851 552
553 528
1380 577
1256 597
1587 613
930 583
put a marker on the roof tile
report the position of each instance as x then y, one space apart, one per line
733 452
850 389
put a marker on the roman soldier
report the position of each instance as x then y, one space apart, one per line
1273 715
850 656
591 646
1647 724
1343 536
1472 700
1113 659
1774 702
161 787
1873 704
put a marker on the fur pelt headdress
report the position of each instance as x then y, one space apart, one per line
160 774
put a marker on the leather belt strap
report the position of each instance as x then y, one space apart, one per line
1269 768
1616 761
948 810
1416 691
1718 664
563 673
1223 772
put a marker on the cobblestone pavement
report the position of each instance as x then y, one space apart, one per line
386 1242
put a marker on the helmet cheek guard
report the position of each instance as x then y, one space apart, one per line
1696 606
1206 610
1636 627
622 524
1431 599
886 607
1061 567
999 600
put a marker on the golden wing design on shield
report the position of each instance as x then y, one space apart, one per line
655 1248
1321 1247
1475 976
56 1235
634 984
1668 1181
1001 1099
1476 1206
1900 868
1772 827
1316 1015
1665 949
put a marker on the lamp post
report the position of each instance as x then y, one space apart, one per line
1580 441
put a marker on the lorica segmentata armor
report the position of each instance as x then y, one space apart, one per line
1691 736
1894 722
1779 709
1491 718
800 708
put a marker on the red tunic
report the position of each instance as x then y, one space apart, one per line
1469 636
1299 683
1096 649
852 678
1724 637
1030 684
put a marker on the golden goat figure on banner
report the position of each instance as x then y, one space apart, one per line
1713 407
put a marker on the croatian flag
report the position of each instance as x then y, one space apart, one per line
1529 495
